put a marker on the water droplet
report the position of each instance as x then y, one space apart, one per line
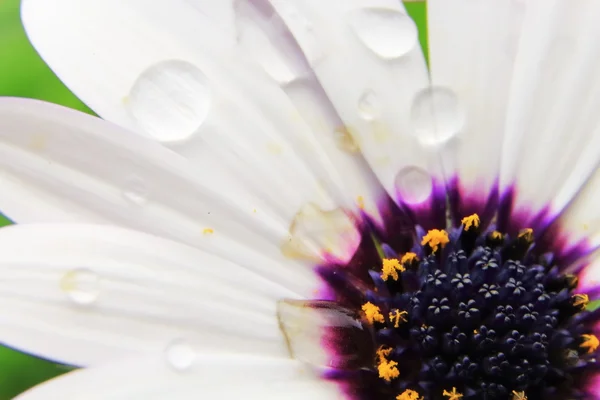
135 191
302 29
367 105
436 115
314 233
414 185
386 32
325 334
170 100
344 140
82 285
180 354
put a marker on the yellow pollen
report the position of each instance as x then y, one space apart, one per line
454 395
519 395
475 332
580 300
390 267
372 312
208 231
435 238
471 220
526 234
388 369
397 316
495 235
361 202
409 395
409 258
590 342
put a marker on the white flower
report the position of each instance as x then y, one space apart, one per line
274 140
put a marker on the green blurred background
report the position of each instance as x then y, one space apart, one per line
24 74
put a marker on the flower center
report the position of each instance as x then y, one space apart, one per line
470 314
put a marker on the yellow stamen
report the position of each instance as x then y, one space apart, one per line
388 369
580 300
409 258
519 395
397 316
454 395
495 235
361 202
390 267
372 312
471 220
409 395
208 231
526 234
590 342
435 238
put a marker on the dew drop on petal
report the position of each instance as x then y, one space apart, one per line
325 334
180 355
367 105
81 285
170 100
436 115
386 32
315 232
414 185
135 191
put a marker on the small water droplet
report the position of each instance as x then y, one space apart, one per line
386 32
367 105
302 28
436 115
180 355
81 285
135 191
414 185
170 100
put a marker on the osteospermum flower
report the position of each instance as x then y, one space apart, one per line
322 217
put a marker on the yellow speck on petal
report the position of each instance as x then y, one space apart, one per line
590 342
372 312
274 148
409 395
254 210
471 221
495 235
526 234
208 231
586 227
454 395
435 238
396 316
580 300
390 267
388 369
518 395
408 258
361 202
37 142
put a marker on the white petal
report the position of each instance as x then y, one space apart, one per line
61 165
542 99
473 49
195 90
210 377
84 294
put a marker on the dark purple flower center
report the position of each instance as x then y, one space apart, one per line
464 314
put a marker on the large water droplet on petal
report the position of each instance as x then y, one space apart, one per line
180 355
325 334
436 115
386 32
81 285
170 100
315 233
414 185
